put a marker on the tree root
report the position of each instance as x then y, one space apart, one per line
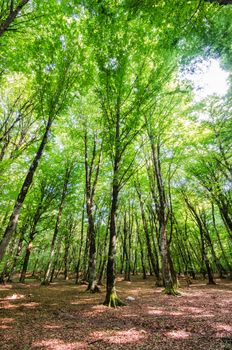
171 291
212 283
113 301
93 289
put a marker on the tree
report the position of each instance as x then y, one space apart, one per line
53 94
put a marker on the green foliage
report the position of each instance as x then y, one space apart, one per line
91 66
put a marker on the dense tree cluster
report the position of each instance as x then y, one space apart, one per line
107 162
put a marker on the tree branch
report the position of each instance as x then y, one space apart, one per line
11 17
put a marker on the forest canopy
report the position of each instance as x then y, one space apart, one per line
109 163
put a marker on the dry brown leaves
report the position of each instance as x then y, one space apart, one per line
64 317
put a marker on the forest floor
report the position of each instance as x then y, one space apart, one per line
63 316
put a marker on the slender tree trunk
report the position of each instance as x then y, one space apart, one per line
135 264
25 263
85 265
156 251
6 269
228 266
66 254
126 253
223 208
111 295
47 277
101 271
104 261
192 266
167 268
56 261
130 228
90 187
217 262
18 251
205 258
141 251
34 268
111 298
52 261
32 234
77 268
57 267
151 256
169 275
23 192
92 285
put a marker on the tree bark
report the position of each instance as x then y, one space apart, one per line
169 276
168 273
111 295
200 224
220 2
90 187
23 192
104 260
111 298
47 277
148 240
141 251
25 263
228 266
32 234
11 17
17 254
77 268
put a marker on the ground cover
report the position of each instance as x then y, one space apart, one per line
63 316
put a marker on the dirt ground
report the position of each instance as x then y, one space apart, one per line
64 317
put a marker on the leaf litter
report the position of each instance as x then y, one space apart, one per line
64 316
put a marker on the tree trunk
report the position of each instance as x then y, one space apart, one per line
47 277
25 263
223 208
90 187
56 262
34 268
220 2
217 262
141 252
77 268
104 261
32 234
18 251
125 250
169 275
23 192
92 285
228 266
151 256
205 258
111 298
169 278
66 254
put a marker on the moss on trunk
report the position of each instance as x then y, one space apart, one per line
171 291
112 300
